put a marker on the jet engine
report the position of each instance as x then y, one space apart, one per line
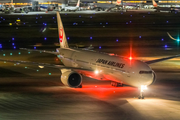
71 79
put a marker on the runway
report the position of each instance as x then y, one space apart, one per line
28 92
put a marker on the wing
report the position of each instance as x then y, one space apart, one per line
51 52
42 65
161 59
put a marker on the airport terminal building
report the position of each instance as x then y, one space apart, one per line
163 3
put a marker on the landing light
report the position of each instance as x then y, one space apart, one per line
96 72
143 87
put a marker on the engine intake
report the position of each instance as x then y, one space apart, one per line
71 79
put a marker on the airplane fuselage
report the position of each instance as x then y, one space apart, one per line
107 67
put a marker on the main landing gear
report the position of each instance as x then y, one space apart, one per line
143 87
116 84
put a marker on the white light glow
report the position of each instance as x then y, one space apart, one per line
96 72
41 66
143 87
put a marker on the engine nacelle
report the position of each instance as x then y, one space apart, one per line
71 79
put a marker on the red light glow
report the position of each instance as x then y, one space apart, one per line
106 91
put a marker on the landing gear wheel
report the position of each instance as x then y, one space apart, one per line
80 86
116 84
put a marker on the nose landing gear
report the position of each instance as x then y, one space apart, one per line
143 87
116 84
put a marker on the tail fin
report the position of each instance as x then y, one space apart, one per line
154 3
118 2
78 3
62 35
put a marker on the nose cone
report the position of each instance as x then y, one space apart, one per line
144 74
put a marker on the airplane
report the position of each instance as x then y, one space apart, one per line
169 9
101 66
173 38
71 8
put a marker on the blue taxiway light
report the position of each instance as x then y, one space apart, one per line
14 47
90 16
12 38
106 23
0 45
90 37
68 38
139 36
165 46
12 43
99 47
117 40
34 47
79 16
167 21
162 39
45 38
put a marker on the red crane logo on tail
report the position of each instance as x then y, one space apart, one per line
60 34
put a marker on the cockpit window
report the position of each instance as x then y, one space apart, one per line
145 72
